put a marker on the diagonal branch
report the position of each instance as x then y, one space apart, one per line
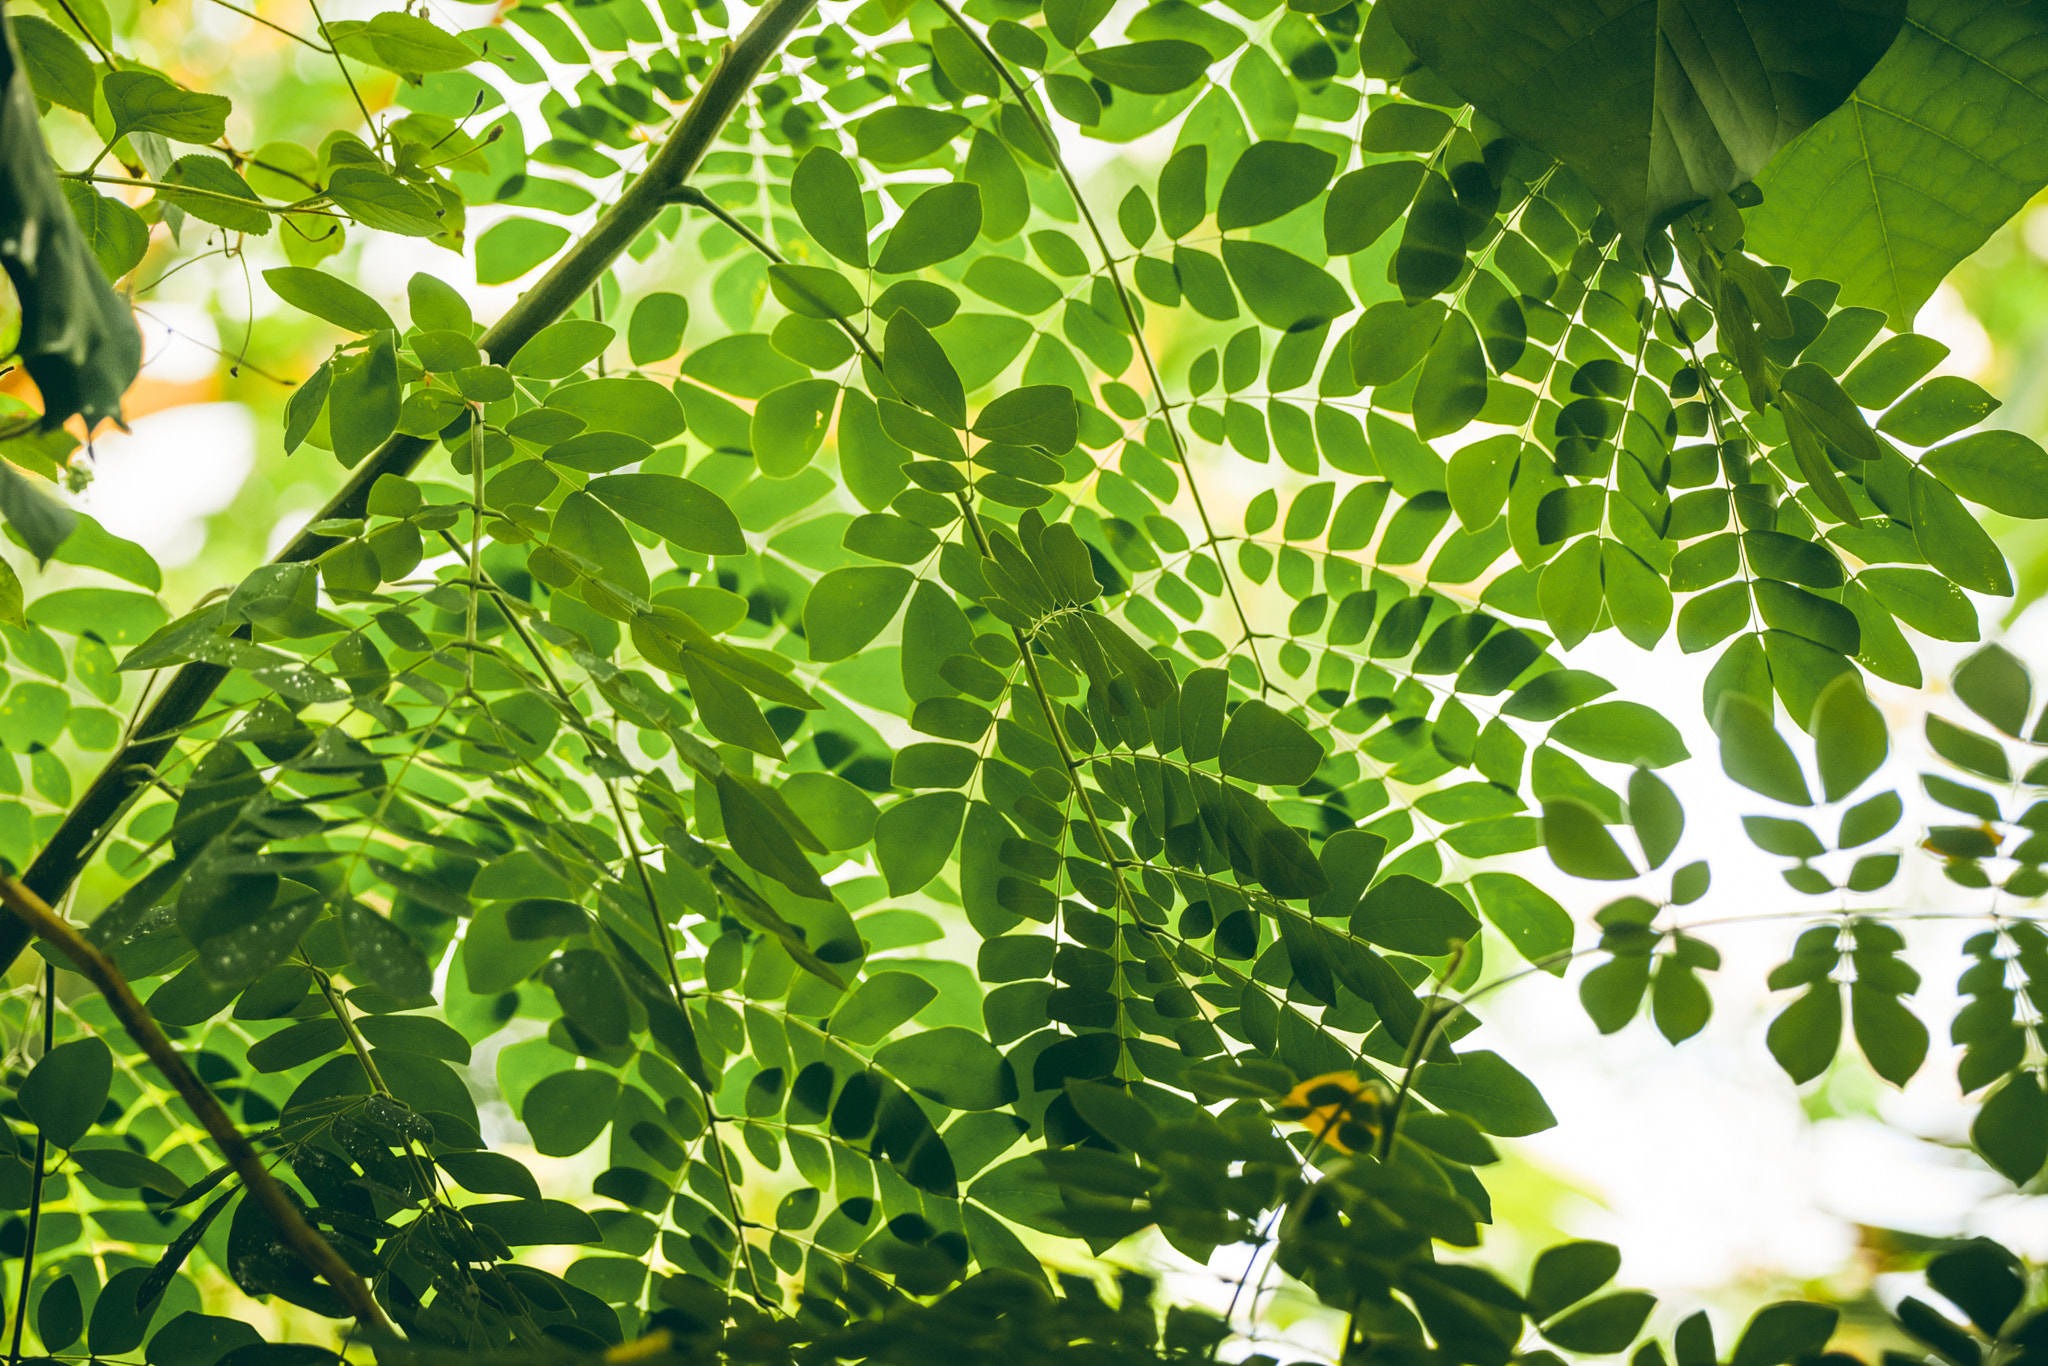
34 913
72 845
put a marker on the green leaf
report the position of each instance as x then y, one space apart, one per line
1655 109
621 403
1281 289
937 226
656 330
1869 819
825 192
1452 388
1892 1038
566 1111
1603 1327
527 1223
848 608
117 617
57 69
363 399
1263 745
1899 184
814 291
403 43
77 337
1432 251
1408 915
115 233
2002 470
324 296
1995 685
879 1004
144 102
915 837
1849 736
128 1170
1939 408
790 424
488 1173
1487 1090
67 1089
2011 1130
919 368
1754 754
1270 180
1042 415
1365 203
1622 733
561 349
896 136
1158 66
60 1317
1392 338
1654 811
1531 918
763 835
515 246
956 1067
206 188
377 200
1570 592
1565 1274
1785 1332
386 954
590 994
677 509
1579 843
1806 1033
1967 749
1183 190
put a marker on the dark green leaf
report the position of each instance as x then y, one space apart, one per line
1409 915
939 225
1262 745
1159 66
1603 1327
1579 843
67 1089
1565 1274
1270 180
1785 1332
1654 109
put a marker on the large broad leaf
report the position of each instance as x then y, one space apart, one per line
1933 152
1657 104
78 337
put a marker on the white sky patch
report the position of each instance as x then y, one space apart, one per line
157 484
180 344
1948 320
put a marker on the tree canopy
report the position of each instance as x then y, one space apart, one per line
791 707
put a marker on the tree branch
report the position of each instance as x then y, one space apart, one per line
33 912
71 846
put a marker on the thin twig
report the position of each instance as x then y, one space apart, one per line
35 1198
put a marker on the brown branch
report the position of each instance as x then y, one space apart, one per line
240 1153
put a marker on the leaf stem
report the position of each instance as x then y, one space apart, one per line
1418 1045
35 1199
342 67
